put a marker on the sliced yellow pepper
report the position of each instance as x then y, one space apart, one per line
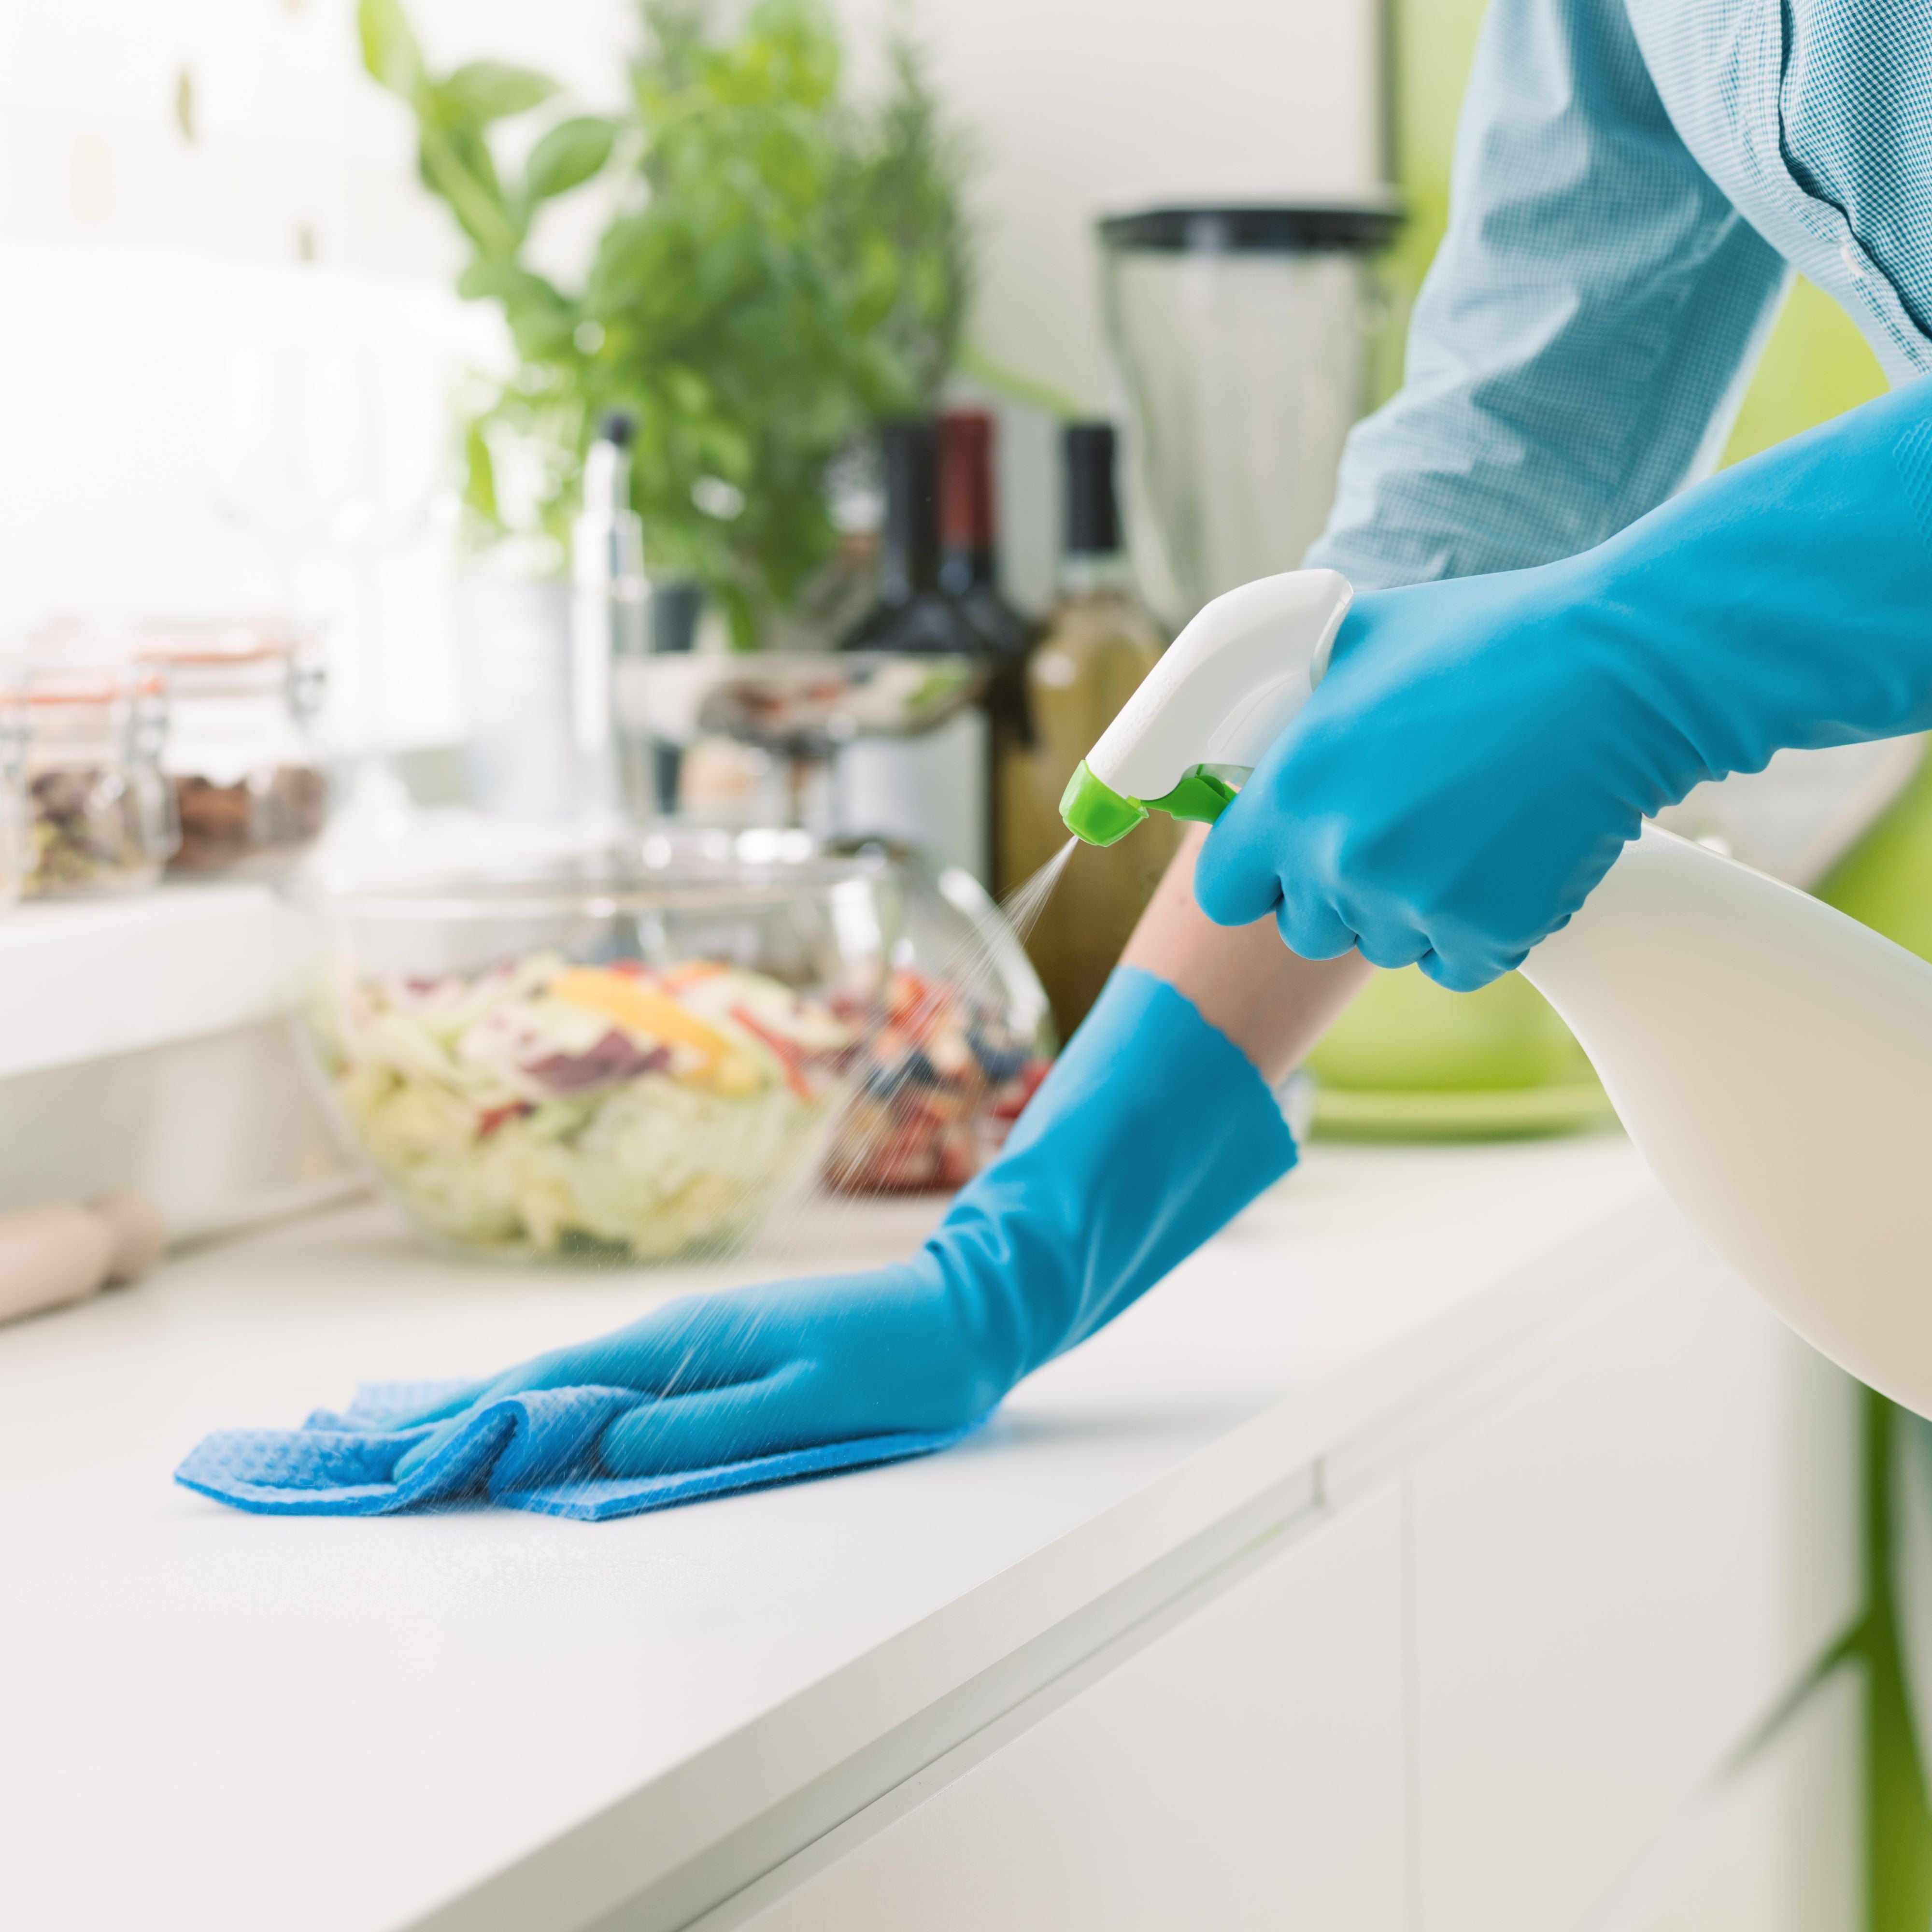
621 996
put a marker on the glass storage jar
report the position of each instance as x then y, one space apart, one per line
249 789
14 842
100 817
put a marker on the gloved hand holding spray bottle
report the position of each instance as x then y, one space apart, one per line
1465 789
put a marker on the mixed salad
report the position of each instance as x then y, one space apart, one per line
541 1107
936 1087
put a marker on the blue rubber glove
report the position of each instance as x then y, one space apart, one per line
1152 1131
1480 750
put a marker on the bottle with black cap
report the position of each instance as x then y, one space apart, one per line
1099 642
933 792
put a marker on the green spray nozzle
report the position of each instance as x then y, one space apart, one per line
1096 813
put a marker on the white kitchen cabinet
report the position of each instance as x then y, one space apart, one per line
1621 1571
1620 1558
1777 1847
1242 1767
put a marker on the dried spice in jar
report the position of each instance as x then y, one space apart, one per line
99 818
270 813
90 832
249 789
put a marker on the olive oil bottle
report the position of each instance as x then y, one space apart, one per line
1098 642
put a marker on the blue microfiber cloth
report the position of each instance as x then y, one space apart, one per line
536 1450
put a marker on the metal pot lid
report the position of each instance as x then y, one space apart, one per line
1254 228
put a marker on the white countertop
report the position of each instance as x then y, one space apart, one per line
486 1718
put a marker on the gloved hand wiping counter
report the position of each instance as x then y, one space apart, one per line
1157 1125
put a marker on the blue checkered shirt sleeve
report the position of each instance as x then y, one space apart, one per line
1580 340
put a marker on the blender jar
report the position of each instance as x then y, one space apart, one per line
1240 337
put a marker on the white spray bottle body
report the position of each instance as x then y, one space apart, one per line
1770 1058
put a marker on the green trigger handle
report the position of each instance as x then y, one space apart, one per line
1096 813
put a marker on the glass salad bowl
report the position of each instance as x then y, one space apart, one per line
614 1056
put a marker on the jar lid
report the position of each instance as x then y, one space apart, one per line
231 640
54 680
1253 228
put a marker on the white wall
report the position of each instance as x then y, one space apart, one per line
293 152
143 262
136 263
1079 106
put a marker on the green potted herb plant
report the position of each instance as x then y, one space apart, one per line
785 267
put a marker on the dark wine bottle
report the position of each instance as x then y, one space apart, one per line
969 571
969 560
912 612
933 792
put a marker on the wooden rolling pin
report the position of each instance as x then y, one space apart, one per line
50 1256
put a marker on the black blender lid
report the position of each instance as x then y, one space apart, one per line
1253 228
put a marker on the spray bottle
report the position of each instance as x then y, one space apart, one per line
1770 1058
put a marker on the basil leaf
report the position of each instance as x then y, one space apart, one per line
568 156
